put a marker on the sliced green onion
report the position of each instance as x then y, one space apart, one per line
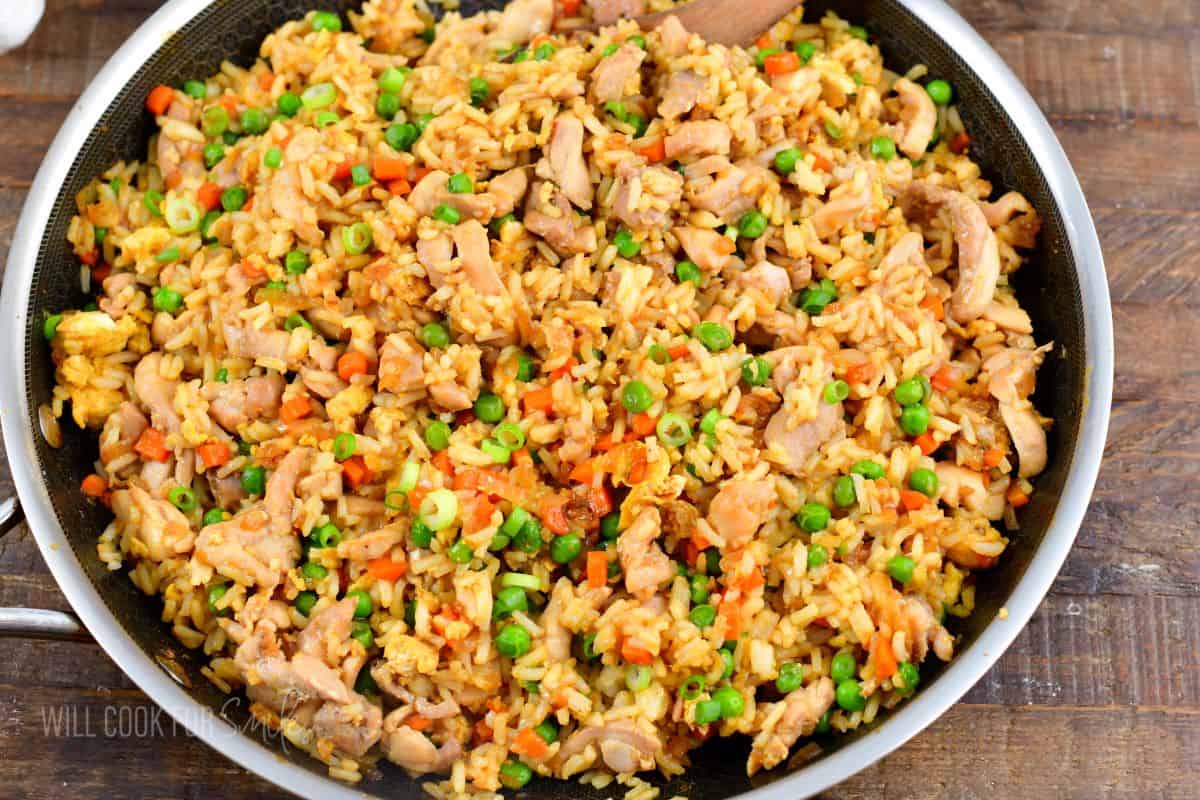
439 509
152 200
509 435
182 215
693 687
357 238
409 474
395 500
673 430
182 498
638 677
319 95
344 445
498 453
516 520
214 121
708 423
520 579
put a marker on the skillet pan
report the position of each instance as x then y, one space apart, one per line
1063 288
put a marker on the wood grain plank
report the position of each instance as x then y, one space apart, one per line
1151 18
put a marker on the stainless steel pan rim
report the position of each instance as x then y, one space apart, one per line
902 725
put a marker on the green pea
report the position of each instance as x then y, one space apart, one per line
508 600
254 121
760 57
363 605
273 158
212 517
752 225
823 724
392 79
835 392
901 568
325 21
514 775
529 538
214 594
636 397
489 408
479 91
313 571
401 136
544 52
214 121
727 658
625 243
447 214
939 91
296 262
813 517
791 676
254 479
732 703
421 534
786 160
714 336
909 678
909 392
832 130
460 552
548 730
703 615
806 50
849 696
924 481
360 175
914 420
756 371
233 198
513 641
167 300
610 526
361 633
817 555
460 183
214 153
289 104
688 271
434 334
698 588
843 667
566 548
437 435
883 148
305 602
843 491
870 470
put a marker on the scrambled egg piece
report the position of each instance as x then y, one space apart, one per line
81 343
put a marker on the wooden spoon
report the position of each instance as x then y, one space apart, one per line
728 22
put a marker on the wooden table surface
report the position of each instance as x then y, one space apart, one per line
1098 698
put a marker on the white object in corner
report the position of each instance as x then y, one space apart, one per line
20 18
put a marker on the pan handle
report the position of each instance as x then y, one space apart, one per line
34 623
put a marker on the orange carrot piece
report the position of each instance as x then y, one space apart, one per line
95 486
926 442
678 351
643 424
417 722
822 163
570 8
565 369
654 151
597 568
252 270
295 409
943 379
529 743
1016 496
600 500
386 569
100 272
993 457
342 171
912 500
781 63
859 373
885 659
763 42
90 257
636 655
539 400
521 458
584 471
960 143
265 79
400 187
152 445
605 443
933 304
554 514
354 469
442 462
214 454
159 99
209 195
389 169
352 363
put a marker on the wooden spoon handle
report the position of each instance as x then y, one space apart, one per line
728 22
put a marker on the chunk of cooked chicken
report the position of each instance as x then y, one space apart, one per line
644 563
740 508
918 118
803 709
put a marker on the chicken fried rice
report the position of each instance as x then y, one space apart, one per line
504 400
